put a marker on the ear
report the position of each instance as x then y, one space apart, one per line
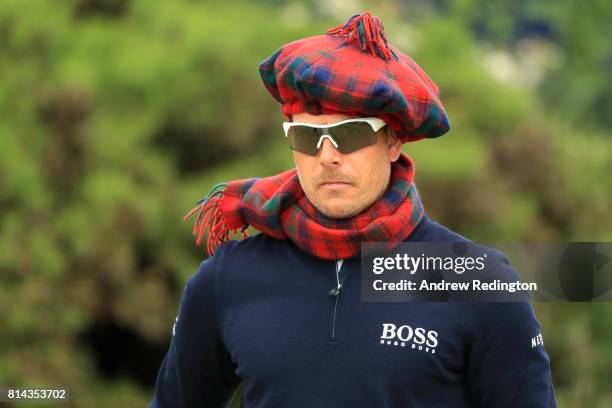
395 148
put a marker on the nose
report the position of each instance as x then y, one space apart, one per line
328 154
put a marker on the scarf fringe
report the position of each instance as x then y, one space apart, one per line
369 33
209 214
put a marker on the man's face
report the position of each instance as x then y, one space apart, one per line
342 185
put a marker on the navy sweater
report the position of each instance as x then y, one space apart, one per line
259 312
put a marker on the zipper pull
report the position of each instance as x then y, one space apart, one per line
335 291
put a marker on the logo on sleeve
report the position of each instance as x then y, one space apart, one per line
537 341
409 337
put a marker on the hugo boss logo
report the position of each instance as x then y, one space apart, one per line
409 337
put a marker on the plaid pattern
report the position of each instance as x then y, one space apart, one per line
277 206
353 70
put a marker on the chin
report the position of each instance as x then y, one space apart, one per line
340 210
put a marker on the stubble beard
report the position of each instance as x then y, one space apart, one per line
346 210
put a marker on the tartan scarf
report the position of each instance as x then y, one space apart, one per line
278 207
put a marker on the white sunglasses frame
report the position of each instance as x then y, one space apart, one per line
375 123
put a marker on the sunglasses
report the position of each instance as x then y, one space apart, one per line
346 136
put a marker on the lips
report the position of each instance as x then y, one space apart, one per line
334 184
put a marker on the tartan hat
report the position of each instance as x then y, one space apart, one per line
353 70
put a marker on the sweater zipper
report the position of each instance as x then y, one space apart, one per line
336 293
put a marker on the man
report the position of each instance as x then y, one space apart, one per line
281 313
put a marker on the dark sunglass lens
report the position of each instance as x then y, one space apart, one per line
353 136
304 139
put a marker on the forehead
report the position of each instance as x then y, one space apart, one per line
324 119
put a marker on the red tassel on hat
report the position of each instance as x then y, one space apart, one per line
369 33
